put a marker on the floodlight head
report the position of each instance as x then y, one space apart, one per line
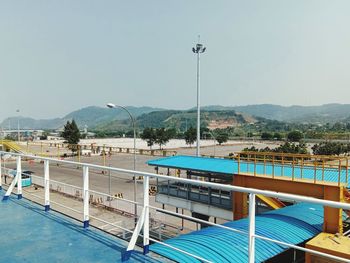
110 105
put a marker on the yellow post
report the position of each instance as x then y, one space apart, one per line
78 146
248 159
347 167
255 165
104 156
264 163
339 175
302 167
315 162
322 169
273 166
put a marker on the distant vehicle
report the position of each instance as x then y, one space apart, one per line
26 177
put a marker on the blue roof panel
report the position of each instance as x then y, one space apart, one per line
204 164
230 167
293 224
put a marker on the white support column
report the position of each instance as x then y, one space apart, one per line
47 185
251 245
146 208
86 195
1 171
127 253
19 177
142 223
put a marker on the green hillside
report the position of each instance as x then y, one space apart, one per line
182 120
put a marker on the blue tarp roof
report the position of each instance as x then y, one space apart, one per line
230 167
203 164
293 224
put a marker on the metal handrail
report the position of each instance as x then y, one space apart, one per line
144 220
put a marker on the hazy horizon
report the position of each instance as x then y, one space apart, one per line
202 106
60 56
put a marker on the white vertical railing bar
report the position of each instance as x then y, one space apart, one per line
251 240
19 176
132 243
47 185
146 208
86 196
9 190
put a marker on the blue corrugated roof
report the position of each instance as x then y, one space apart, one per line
293 224
230 167
203 164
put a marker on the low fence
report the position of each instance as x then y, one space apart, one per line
63 149
314 168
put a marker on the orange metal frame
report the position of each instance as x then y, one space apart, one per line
333 192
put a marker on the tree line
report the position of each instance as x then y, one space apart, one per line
160 136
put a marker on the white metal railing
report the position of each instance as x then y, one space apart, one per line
143 222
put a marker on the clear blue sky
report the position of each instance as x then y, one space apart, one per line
58 56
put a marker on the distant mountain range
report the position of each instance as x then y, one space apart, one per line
91 116
311 114
102 118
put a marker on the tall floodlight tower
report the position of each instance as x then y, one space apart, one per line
18 136
199 49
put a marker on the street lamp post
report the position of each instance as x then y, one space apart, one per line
198 50
18 124
113 106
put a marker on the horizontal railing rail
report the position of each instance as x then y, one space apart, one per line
143 222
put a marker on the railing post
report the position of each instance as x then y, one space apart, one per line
47 185
315 171
264 163
146 208
302 168
19 176
251 245
255 165
347 170
322 169
239 163
273 166
248 159
86 195
78 146
339 174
